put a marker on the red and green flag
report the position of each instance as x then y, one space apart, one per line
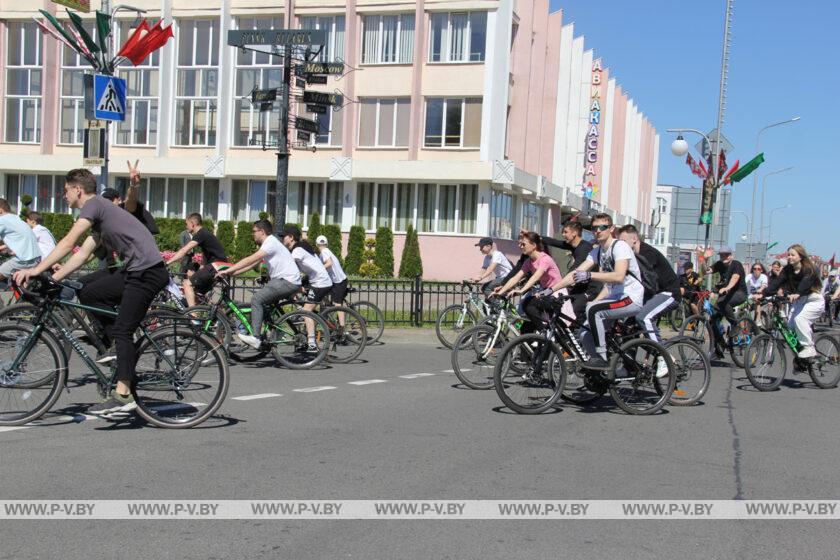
748 168
82 32
149 43
135 38
732 170
103 30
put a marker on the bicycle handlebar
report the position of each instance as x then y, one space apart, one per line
41 286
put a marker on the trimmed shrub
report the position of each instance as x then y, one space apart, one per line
384 258
411 265
170 230
227 236
244 242
333 234
369 270
355 250
315 228
58 224
25 201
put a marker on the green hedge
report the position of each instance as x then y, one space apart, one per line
333 234
384 258
411 265
315 228
355 250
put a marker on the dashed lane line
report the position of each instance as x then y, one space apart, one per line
315 389
256 397
367 382
416 375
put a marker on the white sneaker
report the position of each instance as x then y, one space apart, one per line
661 367
808 352
251 341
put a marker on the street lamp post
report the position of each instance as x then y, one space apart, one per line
763 181
755 176
770 224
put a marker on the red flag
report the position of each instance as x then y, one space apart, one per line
49 31
155 39
732 170
703 169
695 169
721 164
135 37
831 262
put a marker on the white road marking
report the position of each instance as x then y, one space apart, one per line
12 428
255 397
315 389
366 382
449 371
416 375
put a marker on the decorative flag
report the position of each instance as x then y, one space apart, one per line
703 170
748 168
721 164
62 31
155 39
695 168
55 34
831 262
138 34
88 40
103 29
732 170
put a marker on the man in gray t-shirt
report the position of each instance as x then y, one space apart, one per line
132 288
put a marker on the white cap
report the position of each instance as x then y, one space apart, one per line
833 272
322 240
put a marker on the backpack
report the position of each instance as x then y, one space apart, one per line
648 280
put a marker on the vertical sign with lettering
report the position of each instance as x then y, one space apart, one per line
593 151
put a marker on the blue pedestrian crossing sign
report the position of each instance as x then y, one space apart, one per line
109 98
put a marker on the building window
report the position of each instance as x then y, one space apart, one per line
334 26
23 83
436 208
47 192
661 204
255 70
176 197
249 198
384 122
305 198
197 83
140 127
659 236
73 68
501 215
388 39
531 216
458 37
330 126
453 122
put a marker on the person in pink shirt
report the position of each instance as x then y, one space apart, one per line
542 270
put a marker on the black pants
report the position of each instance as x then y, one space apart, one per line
725 308
133 292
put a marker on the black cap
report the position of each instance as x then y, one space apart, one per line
292 230
484 241
110 193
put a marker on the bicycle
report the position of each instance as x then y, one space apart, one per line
536 366
181 378
474 352
286 333
699 329
454 318
372 315
766 363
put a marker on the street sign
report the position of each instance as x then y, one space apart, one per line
78 5
300 83
281 37
316 79
263 95
323 68
318 109
266 106
93 143
704 148
304 136
108 98
322 98
707 202
306 124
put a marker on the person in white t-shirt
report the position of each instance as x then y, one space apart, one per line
756 284
622 294
495 264
45 239
337 275
320 284
283 273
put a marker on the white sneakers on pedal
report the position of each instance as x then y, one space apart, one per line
251 341
661 367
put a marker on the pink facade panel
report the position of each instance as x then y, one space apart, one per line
520 63
617 152
534 99
549 97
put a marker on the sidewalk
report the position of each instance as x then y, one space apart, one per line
403 335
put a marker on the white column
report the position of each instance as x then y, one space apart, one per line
562 119
606 140
482 215
225 196
496 83
348 206
167 87
571 174
583 120
225 93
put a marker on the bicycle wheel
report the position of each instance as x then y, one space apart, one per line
374 319
677 316
541 386
288 340
348 342
765 362
182 377
740 336
578 389
825 368
216 327
32 387
698 329
638 390
693 372
451 322
474 355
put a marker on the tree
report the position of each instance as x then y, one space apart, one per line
315 228
333 234
25 201
384 258
411 265
244 243
369 269
227 236
355 250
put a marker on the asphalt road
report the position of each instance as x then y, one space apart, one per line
407 436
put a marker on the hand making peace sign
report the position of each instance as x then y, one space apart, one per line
133 173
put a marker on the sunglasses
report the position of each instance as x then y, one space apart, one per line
758 269
602 227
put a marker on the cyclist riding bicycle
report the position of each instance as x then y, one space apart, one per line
495 264
690 284
622 295
284 277
580 248
803 286
132 288
756 284
732 292
214 253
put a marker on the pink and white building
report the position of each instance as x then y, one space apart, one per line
470 118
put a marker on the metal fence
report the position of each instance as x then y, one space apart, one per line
403 301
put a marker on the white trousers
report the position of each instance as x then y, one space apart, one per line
805 311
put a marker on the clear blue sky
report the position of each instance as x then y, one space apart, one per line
783 63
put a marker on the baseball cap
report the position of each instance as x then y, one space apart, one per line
110 193
725 250
322 240
484 241
294 231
